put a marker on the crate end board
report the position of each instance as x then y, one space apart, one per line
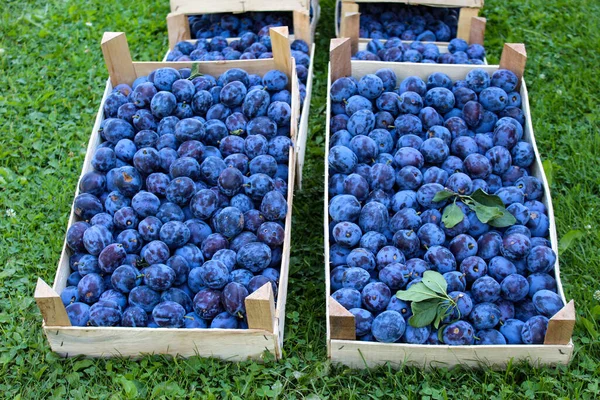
178 27
227 344
427 3
191 7
561 326
473 31
356 354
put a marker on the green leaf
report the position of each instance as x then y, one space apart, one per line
442 311
443 195
548 171
424 312
507 219
452 215
588 325
567 240
417 292
441 333
435 281
485 214
490 200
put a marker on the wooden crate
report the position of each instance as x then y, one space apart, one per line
468 21
266 317
303 24
341 343
179 30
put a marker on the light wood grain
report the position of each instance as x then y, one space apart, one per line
340 11
514 58
360 354
340 54
341 321
477 33
357 354
281 49
302 29
228 344
117 58
50 305
326 212
561 325
465 19
431 3
260 308
303 127
178 29
350 29
193 7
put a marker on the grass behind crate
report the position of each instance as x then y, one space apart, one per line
51 81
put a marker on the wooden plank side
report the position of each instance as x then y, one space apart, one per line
465 19
431 3
193 7
326 213
214 68
285 257
358 354
303 127
228 344
282 55
178 28
404 70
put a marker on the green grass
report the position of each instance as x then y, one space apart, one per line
51 81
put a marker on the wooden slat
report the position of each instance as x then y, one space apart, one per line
117 58
214 68
282 55
514 58
341 321
50 305
431 3
477 34
302 29
178 28
340 54
350 29
260 308
303 127
465 19
193 7
346 7
326 213
228 344
560 327
358 354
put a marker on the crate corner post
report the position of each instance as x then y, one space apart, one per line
178 29
561 325
118 58
477 33
514 58
50 305
341 321
340 55
260 308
